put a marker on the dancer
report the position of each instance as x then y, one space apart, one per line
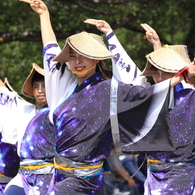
8 156
82 120
169 172
36 141
173 172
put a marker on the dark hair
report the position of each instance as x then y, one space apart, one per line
105 74
37 77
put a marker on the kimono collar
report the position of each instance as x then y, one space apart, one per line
180 92
92 80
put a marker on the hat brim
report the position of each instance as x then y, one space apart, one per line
7 84
27 88
86 44
169 59
149 70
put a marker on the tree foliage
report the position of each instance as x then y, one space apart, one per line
20 39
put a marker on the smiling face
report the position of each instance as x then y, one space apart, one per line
39 93
82 66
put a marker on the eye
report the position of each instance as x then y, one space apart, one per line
72 56
35 86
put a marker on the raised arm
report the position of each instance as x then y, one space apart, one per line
124 69
58 86
152 36
101 25
46 28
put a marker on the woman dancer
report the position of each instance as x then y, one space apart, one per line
82 120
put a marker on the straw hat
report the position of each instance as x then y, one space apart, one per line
168 59
27 88
7 84
86 44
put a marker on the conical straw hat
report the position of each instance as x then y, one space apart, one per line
7 84
86 44
168 59
27 88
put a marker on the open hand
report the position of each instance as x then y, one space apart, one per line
37 5
101 25
151 35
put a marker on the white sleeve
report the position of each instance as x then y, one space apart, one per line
187 85
15 114
60 82
123 67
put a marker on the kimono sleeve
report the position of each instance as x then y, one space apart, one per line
15 115
123 67
143 115
59 80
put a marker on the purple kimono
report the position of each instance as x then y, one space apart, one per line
9 163
175 172
84 135
38 148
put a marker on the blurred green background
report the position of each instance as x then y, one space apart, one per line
20 40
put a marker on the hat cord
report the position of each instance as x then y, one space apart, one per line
106 73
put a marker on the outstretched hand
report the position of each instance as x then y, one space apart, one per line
37 5
101 25
152 36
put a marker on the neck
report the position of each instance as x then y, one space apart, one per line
40 105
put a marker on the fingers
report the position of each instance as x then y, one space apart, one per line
27 1
91 21
31 1
147 28
94 22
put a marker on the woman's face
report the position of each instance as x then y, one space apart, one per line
81 66
192 67
160 76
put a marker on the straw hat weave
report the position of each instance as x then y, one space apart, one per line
86 44
168 59
27 88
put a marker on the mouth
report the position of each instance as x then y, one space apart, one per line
41 97
79 68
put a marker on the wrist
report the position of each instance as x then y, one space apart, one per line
157 45
108 32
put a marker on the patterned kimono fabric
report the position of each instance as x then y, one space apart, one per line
84 137
9 163
37 153
173 173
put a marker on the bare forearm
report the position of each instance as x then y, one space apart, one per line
47 32
157 46
176 80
